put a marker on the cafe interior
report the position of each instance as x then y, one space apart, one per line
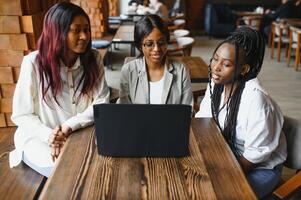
196 28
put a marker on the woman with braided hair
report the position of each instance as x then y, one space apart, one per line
250 121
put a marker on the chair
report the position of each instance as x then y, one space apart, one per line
103 46
279 34
176 24
292 131
183 47
219 20
100 44
198 90
253 21
178 33
295 42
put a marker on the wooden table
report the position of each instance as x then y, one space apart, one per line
125 35
20 182
248 13
198 69
135 14
210 172
252 19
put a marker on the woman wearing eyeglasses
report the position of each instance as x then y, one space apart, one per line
153 78
57 86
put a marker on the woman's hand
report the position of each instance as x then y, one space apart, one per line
56 141
246 165
66 130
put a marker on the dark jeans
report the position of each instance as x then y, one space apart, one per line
264 181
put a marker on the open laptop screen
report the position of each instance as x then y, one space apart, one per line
142 130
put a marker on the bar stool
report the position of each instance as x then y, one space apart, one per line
178 33
177 24
181 33
183 46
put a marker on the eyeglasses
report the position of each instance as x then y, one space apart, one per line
150 45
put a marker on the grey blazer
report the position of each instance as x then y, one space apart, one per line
134 86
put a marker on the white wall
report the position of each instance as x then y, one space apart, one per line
123 5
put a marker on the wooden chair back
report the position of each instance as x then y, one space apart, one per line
295 43
252 21
279 35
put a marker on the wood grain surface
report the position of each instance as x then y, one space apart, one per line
210 172
20 182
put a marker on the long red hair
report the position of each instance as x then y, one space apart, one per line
52 45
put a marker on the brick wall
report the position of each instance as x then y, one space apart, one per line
97 11
21 23
113 7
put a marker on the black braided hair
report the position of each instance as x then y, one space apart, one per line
249 49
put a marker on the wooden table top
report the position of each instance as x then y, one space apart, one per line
134 14
20 182
124 34
198 69
248 13
210 172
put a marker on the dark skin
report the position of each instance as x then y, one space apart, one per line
57 140
155 57
77 40
223 68
246 165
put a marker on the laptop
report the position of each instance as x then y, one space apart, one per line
142 130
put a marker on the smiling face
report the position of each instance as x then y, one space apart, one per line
154 46
78 36
222 64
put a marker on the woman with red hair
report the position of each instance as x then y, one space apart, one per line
57 87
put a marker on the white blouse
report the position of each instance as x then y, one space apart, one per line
259 134
36 118
155 91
